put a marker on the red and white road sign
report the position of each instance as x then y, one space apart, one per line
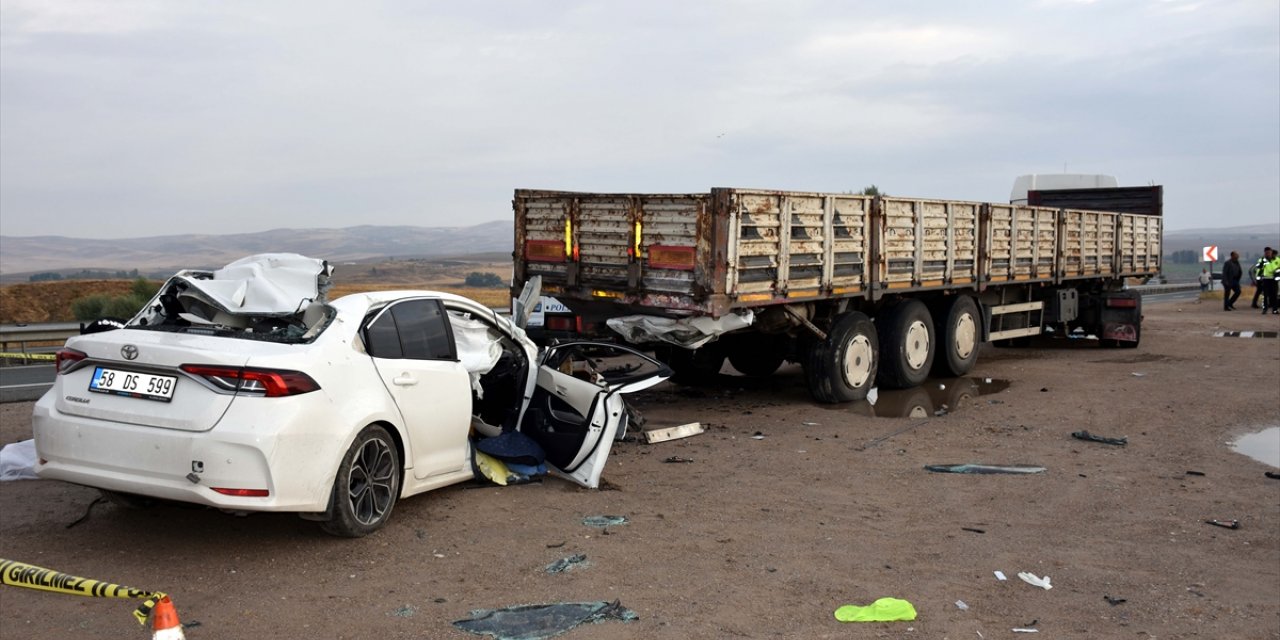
1210 253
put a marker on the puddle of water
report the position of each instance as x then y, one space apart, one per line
1263 446
935 397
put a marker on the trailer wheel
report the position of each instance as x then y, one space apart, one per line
842 368
907 339
758 355
959 335
692 366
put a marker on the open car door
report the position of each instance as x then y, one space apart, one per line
577 408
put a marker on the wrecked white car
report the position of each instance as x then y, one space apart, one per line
243 389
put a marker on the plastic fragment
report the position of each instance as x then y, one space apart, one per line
1000 576
601 522
567 563
1031 579
882 610
1085 435
1021 630
1225 524
984 469
541 621
961 605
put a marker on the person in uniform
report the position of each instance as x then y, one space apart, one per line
1255 276
1270 271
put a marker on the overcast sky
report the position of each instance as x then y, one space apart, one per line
138 118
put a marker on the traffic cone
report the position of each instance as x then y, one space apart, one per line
164 622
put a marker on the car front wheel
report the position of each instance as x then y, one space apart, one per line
367 485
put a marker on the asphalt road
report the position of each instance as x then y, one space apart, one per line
25 382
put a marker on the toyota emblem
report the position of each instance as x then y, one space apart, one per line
129 352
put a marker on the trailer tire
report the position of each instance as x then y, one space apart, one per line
959 332
692 367
907 344
758 355
842 368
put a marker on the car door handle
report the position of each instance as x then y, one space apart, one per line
405 381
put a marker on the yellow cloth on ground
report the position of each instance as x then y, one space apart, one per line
882 610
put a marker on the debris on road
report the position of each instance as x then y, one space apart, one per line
973 530
567 563
1085 435
18 461
88 510
541 621
655 436
1272 474
1225 524
984 469
1000 576
601 522
677 460
1114 601
759 435
1031 579
961 605
882 610
1195 473
1024 630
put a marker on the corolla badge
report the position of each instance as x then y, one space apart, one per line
130 352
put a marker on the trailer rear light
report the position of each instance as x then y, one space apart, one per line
1122 303
270 383
667 257
243 493
65 358
560 323
543 251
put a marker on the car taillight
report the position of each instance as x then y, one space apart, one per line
243 493
271 383
1123 303
64 358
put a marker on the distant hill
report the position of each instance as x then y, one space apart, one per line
22 256
1247 239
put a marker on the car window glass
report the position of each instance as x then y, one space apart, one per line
381 338
424 331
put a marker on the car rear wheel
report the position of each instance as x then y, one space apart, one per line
367 485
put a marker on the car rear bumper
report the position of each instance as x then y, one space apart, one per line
185 466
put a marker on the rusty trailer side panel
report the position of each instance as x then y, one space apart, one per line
1021 243
711 252
1140 244
1088 244
928 243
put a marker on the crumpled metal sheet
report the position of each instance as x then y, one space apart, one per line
541 621
689 333
266 284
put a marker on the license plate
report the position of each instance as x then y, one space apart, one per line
133 384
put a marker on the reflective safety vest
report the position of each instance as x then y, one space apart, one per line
1271 267
1256 270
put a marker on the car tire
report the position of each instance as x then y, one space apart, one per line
367 485
907 344
959 332
842 368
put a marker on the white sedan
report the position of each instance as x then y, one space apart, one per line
243 389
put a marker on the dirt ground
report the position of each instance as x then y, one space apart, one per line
766 537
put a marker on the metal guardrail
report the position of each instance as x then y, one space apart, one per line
22 335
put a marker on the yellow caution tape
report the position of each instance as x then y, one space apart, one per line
27 356
21 574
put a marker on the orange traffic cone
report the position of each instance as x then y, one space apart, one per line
164 622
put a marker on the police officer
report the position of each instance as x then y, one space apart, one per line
1255 275
1270 273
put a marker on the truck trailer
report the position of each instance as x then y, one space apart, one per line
861 290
